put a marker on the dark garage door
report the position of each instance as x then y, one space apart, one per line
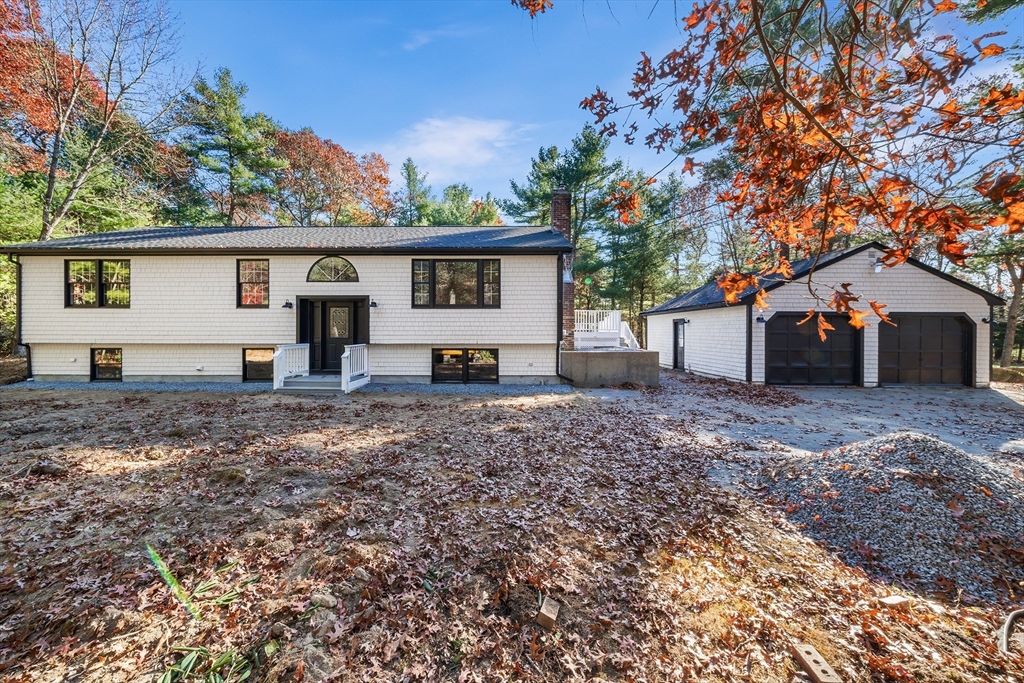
795 354
923 349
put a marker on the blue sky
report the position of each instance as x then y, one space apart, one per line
469 89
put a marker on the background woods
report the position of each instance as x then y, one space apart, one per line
787 128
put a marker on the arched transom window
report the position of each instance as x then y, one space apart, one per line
332 269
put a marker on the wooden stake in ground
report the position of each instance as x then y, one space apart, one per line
548 613
814 664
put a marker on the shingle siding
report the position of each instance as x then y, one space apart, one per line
183 313
715 343
223 362
903 289
716 338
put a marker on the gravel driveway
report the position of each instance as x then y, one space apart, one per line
980 421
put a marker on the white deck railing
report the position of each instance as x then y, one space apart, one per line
290 360
355 367
602 330
598 321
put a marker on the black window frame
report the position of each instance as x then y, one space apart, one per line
464 350
239 283
92 364
245 366
101 284
309 273
432 281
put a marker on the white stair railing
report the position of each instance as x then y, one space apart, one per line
355 367
290 360
627 336
597 321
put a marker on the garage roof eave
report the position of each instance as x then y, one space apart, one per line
701 307
836 257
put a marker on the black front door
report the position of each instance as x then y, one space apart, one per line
337 327
680 356
328 327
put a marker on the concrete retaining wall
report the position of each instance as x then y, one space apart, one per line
608 368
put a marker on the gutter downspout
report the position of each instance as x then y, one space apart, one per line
558 318
750 343
17 314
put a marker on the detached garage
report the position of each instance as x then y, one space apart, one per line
941 335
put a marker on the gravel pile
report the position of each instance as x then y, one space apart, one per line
911 506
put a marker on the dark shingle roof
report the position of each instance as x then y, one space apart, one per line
710 295
292 239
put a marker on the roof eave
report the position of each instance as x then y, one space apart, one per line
701 307
283 251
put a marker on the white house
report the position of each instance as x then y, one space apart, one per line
410 304
941 334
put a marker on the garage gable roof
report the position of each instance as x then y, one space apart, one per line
711 295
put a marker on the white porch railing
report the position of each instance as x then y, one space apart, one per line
598 321
355 367
603 330
290 360
628 338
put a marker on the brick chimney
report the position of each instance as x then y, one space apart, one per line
560 221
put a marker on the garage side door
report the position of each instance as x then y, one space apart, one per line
795 354
923 349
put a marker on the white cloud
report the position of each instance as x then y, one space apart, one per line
419 38
458 148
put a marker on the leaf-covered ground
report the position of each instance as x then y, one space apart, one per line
12 369
402 537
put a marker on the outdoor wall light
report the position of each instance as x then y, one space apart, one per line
288 304
761 319
373 304
877 265
987 321
686 321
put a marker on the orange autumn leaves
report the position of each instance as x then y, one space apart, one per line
842 119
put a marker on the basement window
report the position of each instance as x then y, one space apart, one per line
465 366
105 365
258 365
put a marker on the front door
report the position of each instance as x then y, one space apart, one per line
337 333
678 359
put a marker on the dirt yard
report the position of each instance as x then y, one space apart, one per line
400 537
12 369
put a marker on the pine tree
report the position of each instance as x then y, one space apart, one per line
415 196
584 170
459 207
232 148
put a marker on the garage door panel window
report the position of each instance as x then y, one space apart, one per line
796 354
924 349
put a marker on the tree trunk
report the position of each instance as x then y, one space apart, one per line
1013 313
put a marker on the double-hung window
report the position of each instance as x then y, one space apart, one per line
456 283
253 283
95 283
